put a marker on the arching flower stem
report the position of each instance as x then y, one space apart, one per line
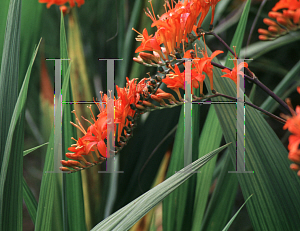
261 85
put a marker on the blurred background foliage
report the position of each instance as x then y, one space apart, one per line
102 30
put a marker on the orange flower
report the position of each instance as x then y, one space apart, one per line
174 25
288 20
91 147
93 142
176 80
293 125
62 2
205 8
235 71
201 65
149 43
287 4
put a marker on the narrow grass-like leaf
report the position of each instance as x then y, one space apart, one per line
19 106
221 203
126 217
26 152
177 212
11 159
207 143
252 93
73 194
30 201
49 181
275 203
212 220
232 219
3 18
9 75
46 198
140 163
287 83
128 43
258 49
238 35
30 31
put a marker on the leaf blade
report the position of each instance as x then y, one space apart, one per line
140 206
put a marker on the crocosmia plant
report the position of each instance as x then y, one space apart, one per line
148 115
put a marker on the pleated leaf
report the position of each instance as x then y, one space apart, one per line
26 152
73 194
275 188
30 201
283 88
207 143
126 217
177 208
221 203
260 48
11 116
50 199
235 215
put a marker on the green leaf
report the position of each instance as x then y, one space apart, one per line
229 22
46 198
134 158
49 207
232 219
286 84
126 217
26 152
239 34
258 49
30 34
221 203
179 215
127 44
9 88
207 143
30 201
3 18
72 185
275 187
9 75
252 93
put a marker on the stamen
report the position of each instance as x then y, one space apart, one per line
168 4
234 49
196 50
86 120
205 46
92 114
74 139
172 68
150 1
165 5
75 125
136 31
79 126
110 91
149 14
